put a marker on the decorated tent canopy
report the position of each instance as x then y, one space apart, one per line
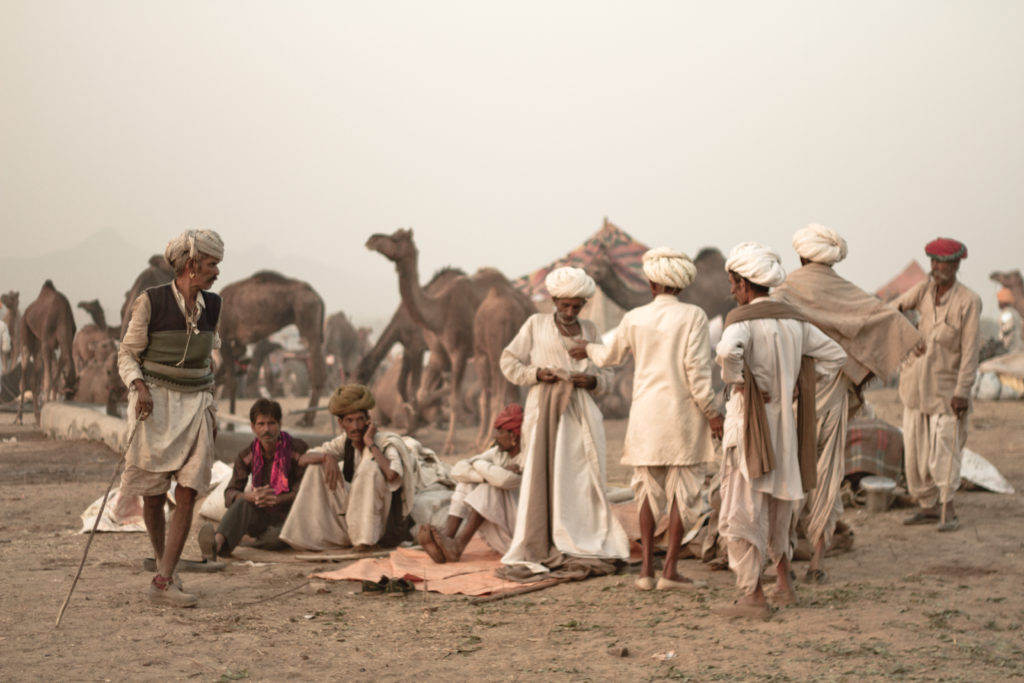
906 279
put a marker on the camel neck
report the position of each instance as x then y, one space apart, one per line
425 309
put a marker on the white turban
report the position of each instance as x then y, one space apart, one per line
663 266
758 263
191 243
569 283
819 244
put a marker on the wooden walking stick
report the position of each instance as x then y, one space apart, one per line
92 534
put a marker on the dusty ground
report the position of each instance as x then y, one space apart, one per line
905 604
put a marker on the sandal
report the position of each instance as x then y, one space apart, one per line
376 586
950 524
920 517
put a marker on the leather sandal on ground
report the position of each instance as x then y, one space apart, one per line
817 576
376 586
950 524
163 590
920 517
645 583
669 584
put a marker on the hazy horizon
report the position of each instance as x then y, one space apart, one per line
505 133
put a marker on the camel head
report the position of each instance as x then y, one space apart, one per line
1010 279
158 261
91 307
10 300
396 247
600 266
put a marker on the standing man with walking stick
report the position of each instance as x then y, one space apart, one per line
936 386
165 361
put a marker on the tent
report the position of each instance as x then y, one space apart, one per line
626 256
907 278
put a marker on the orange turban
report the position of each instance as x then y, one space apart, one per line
511 418
1004 296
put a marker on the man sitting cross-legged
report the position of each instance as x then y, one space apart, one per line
272 460
485 497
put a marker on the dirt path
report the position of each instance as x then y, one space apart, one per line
905 604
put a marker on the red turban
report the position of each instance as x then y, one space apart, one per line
511 418
945 249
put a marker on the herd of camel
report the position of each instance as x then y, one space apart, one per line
464 321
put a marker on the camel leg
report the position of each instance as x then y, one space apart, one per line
21 384
483 368
317 375
455 400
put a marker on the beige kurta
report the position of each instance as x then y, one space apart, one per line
356 512
485 484
181 423
933 436
759 515
581 522
952 336
672 394
1010 330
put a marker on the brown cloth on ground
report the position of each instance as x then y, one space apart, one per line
760 454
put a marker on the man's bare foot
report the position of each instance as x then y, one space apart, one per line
749 606
781 597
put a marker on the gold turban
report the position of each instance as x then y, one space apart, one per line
348 398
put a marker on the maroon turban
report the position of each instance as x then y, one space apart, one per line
945 249
511 418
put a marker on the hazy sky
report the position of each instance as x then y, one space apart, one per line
503 133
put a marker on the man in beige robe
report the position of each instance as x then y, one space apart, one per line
563 507
876 338
768 460
674 413
351 482
936 387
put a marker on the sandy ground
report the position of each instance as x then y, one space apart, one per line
905 604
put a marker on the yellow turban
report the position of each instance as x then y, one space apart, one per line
348 398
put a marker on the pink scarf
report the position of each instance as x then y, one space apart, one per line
279 469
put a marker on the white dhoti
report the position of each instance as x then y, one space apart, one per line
754 525
933 448
497 506
824 504
354 513
661 486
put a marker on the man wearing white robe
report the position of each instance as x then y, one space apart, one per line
350 505
876 338
563 507
763 486
674 412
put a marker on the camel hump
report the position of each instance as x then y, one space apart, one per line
270 276
445 272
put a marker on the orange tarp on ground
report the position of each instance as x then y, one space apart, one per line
473 575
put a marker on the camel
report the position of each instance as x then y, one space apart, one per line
47 328
502 312
403 329
95 311
709 289
94 341
262 304
1010 279
159 272
344 346
10 303
448 314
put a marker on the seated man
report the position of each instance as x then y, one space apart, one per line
485 497
272 459
368 499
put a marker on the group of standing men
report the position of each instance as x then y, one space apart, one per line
817 338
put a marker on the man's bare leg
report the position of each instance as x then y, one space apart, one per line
647 540
453 547
675 537
451 526
818 557
784 594
156 523
473 523
177 532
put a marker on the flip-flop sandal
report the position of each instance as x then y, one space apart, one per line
376 586
920 518
950 524
399 587
426 540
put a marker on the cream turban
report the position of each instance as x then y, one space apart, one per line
758 263
348 398
568 283
663 266
819 244
190 244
